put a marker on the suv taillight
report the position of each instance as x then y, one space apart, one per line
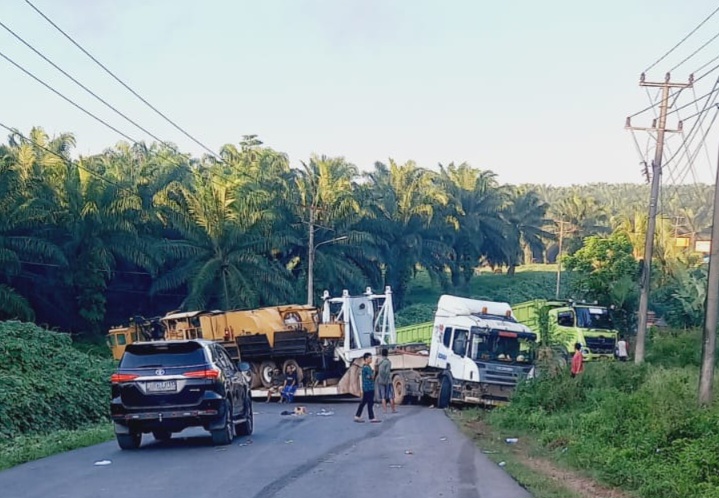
119 378
202 374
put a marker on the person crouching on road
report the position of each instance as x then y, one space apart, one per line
277 381
577 360
367 390
383 381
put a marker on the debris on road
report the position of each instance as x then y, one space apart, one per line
502 464
289 441
101 463
396 466
324 413
408 452
443 438
246 443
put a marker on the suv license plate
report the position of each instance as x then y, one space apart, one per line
161 386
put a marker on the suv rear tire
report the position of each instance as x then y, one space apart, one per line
245 428
130 441
224 436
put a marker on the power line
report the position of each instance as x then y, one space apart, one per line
680 41
66 99
696 51
120 81
74 80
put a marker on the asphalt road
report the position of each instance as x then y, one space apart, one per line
416 453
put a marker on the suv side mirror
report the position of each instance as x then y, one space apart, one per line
243 366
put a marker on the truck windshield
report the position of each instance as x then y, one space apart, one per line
594 318
490 346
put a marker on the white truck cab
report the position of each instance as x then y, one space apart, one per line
481 346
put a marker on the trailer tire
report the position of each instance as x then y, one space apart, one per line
266 369
298 369
399 386
445 392
256 379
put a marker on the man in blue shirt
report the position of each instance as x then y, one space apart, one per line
367 390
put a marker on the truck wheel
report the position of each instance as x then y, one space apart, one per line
266 369
256 380
300 375
445 393
130 441
400 389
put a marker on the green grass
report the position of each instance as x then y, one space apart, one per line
529 282
26 448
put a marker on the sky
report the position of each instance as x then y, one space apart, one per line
537 92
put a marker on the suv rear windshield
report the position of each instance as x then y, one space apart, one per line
163 355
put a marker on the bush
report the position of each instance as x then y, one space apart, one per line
414 314
46 384
637 427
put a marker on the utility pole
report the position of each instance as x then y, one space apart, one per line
706 374
660 126
559 256
311 258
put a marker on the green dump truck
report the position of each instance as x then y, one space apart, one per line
420 333
569 322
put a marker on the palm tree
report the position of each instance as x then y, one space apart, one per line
525 218
224 250
25 212
474 215
405 203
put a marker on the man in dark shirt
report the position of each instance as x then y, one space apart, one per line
367 390
290 385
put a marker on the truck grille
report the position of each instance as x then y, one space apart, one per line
601 345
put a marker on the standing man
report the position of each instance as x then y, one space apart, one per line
622 349
577 360
384 381
367 390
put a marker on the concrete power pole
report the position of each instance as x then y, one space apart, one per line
311 258
659 126
559 256
706 375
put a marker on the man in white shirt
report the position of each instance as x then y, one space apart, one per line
622 349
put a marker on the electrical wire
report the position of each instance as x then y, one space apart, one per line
74 80
678 44
66 99
117 78
695 52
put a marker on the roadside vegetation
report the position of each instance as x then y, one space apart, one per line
53 396
635 427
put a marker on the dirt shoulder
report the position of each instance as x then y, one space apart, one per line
524 461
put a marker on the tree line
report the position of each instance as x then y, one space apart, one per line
142 229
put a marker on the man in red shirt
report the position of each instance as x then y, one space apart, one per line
577 360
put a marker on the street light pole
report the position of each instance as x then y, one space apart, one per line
311 266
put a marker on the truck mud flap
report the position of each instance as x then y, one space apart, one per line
350 381
254 346
292 343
